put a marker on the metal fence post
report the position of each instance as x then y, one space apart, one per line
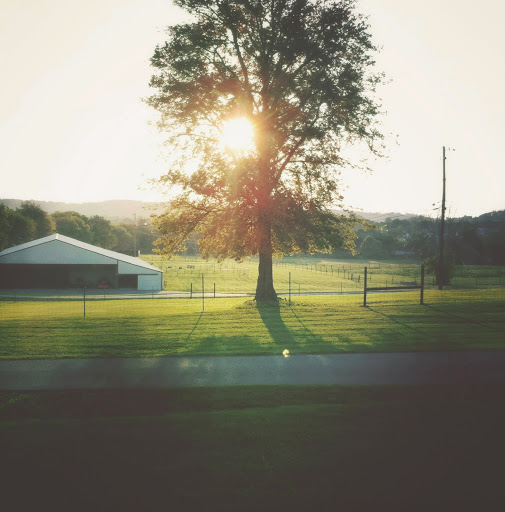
422 285
290 288
364 287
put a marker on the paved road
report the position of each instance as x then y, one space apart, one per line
346 369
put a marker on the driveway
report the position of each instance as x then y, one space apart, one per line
346 369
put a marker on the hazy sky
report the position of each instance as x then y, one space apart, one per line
73 128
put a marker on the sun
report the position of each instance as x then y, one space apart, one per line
238 134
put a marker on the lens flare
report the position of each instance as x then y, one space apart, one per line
238 134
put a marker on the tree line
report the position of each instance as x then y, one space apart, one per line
30 222
469 240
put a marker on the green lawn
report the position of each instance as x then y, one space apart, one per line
450 320
255 448
309 274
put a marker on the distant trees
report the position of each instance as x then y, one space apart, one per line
15 228
371 247
470 240
44 224
74 225
124 241
29 222
103 232
22 228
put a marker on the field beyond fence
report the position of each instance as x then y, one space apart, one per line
310 275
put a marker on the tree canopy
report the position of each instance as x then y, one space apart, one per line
74 225
300 73
43 223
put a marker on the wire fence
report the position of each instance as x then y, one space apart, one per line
208 314
201 281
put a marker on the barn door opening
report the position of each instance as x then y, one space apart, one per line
128 281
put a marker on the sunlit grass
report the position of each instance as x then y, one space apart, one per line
309 275
450 320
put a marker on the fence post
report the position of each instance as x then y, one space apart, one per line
422 285
84 302
364 287
214 290
290 288
203 294
191 291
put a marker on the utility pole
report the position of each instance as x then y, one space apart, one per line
135 235
441 265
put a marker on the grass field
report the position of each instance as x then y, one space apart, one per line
259 447
255 448
309 274
450 320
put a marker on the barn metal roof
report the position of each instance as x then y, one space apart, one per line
82 245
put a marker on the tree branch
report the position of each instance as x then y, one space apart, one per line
288 158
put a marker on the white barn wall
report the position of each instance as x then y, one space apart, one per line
148 283
66 262
128 268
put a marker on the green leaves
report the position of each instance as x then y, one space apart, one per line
300 72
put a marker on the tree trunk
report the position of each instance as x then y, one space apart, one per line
265 286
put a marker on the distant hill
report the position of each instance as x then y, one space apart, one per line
496 216
113 210
125 209
380 217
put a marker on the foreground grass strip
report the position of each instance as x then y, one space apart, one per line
450 320
268 448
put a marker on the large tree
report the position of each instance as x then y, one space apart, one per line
299 72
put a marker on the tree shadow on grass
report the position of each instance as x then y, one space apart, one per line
319 344
462 318
394 320
297 340
188 337
305 328
270 313
225 345
305 342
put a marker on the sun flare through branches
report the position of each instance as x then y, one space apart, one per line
238 135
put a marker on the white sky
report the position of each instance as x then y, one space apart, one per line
73 128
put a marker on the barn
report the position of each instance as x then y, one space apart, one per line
58 261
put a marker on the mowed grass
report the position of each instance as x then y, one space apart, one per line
254 448
305 277
450 320
309 274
